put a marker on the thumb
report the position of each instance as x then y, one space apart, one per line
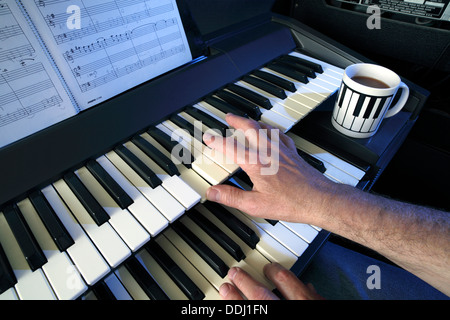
232 197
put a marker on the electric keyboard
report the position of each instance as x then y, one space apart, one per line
100 206
133 224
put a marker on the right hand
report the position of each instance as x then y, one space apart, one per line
294 192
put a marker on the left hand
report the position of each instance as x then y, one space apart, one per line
244 286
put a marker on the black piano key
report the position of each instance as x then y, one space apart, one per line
165 163
315 66
250 95
7 276
166 142
243 177
237 226
186 285
315 163
265 86
218 235
25 238
184 124
137 165
248 107
282 83
288 71
225 107
359 105
201 248
380 107
102 291
145 280
342 95
369 107
271 221
54 226
207 120
91 205
109 184
309 72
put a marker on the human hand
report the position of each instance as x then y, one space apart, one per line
293 192
244 286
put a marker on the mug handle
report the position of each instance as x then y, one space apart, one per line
400 103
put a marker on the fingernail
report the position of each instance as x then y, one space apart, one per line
224 289
213 195
208 137
231 273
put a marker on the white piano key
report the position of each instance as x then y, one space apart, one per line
192 178
327 157
206 107
181 191
189 269
221 253
167 205
130 284
305 231
83 253
110 245
267 245
333 71
282 234
150 218
204 166
359 121
189 176
30 285
277 120
121 220
160 276
217 156
279 116
252 257
349 117
62 275
292 109
191 255
117 288
220 116
9 294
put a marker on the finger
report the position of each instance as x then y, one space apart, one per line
245 201
234 149
249 128
241 122
229 292
287 283
249 287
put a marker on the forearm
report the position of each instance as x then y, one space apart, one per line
414 237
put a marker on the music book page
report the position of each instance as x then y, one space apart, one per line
32 96
113 45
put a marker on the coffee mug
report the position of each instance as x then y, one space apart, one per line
364 99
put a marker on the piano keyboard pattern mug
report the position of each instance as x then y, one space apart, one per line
365 96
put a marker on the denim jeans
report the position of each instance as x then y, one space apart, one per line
339 273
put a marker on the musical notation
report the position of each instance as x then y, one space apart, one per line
50 71
31 97
117 40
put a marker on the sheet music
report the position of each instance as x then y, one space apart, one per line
31 95
117 44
